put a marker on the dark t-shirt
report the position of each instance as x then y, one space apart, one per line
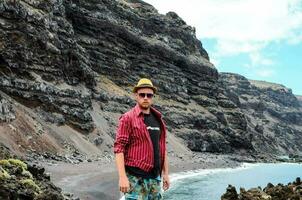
153 126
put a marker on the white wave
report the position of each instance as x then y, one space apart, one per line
202 172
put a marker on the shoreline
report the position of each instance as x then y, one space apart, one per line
99 180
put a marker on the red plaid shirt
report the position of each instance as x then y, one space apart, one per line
134 141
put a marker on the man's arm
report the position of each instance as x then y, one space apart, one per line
165 173
123 179
122 139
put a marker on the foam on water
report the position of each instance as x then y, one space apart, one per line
202 172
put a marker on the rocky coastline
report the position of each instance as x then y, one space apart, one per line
292 191
98 178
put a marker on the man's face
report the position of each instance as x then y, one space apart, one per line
144 97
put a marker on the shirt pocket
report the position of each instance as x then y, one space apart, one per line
138 132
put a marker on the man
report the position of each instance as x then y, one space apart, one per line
140 148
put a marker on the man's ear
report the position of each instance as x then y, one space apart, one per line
134 95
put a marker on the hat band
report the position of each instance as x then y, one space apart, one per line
145 85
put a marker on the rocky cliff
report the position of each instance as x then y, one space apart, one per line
68 67
271 113
299 99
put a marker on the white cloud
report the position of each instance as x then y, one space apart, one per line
239 26
260 65
295 38
242 27
216 62
258 60
233 47
265 73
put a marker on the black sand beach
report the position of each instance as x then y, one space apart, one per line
99 180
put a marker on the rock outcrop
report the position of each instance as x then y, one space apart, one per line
67 68
6 110
21 181
270 192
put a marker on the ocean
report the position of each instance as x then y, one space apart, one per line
210 184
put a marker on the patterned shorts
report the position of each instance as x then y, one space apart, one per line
143 189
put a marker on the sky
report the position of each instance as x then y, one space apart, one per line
259 39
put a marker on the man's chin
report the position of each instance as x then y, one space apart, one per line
145 106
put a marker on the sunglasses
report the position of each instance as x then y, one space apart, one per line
143 95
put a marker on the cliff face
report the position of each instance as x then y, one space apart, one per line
68 68
272 114
299 99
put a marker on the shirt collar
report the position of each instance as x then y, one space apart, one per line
139 111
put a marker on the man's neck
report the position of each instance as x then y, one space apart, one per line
146 111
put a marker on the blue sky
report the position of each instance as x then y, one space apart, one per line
259 39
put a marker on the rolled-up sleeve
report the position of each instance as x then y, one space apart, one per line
122 135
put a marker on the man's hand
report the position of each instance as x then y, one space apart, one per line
166 182
124 184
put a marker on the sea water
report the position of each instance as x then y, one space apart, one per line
210 184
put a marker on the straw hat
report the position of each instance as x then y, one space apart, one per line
144 83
